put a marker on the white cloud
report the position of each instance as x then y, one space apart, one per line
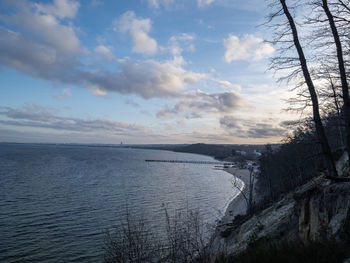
203 3
95 3
43 29
60 8
96 90
158 3
66 92
63 94
228 85
138 28
249 48
180 43
153 3
183 37
149 79
45 48
40 46
105 52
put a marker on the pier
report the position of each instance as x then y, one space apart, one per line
193 162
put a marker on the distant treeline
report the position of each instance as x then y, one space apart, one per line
218 151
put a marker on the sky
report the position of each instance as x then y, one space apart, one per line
138 72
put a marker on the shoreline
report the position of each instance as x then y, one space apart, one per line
238 204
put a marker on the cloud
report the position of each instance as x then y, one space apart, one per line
290 123
64 94
195 104
228 85
248 128
176 42
36 116
180 43
249 48
183 37
60 8
45 48
138 28
149 79
105 52
265 130
158 3
95 3
229 122
203 3
41 47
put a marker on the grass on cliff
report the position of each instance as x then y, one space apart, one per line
264 251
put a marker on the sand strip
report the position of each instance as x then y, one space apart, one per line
239 204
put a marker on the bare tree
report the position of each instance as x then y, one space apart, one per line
186 238
131 242
301 67
341 66
189 238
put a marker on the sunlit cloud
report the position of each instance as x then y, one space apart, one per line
138 28
249 48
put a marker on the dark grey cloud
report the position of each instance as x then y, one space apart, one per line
201 136
246 128
290 123
264 130
40 117
197 103
230 122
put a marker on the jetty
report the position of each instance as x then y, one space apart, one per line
193 162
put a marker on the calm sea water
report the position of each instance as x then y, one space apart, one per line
56 202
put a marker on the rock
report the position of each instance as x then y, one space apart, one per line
325 213
315 211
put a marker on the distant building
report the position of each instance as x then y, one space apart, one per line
258 154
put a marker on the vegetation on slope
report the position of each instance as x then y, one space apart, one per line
267 251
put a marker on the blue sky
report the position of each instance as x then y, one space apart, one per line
140 71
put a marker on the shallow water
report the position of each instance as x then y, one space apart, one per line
57 201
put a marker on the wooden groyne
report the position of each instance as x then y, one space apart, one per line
193 162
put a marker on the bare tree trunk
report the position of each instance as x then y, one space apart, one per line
315 106
342 72
336 103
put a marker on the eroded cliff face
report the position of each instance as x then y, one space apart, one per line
318 210
324 212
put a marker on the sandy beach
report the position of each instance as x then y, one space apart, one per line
239 204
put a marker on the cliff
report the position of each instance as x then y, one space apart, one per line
316 211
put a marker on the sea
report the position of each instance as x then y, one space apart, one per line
58 201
